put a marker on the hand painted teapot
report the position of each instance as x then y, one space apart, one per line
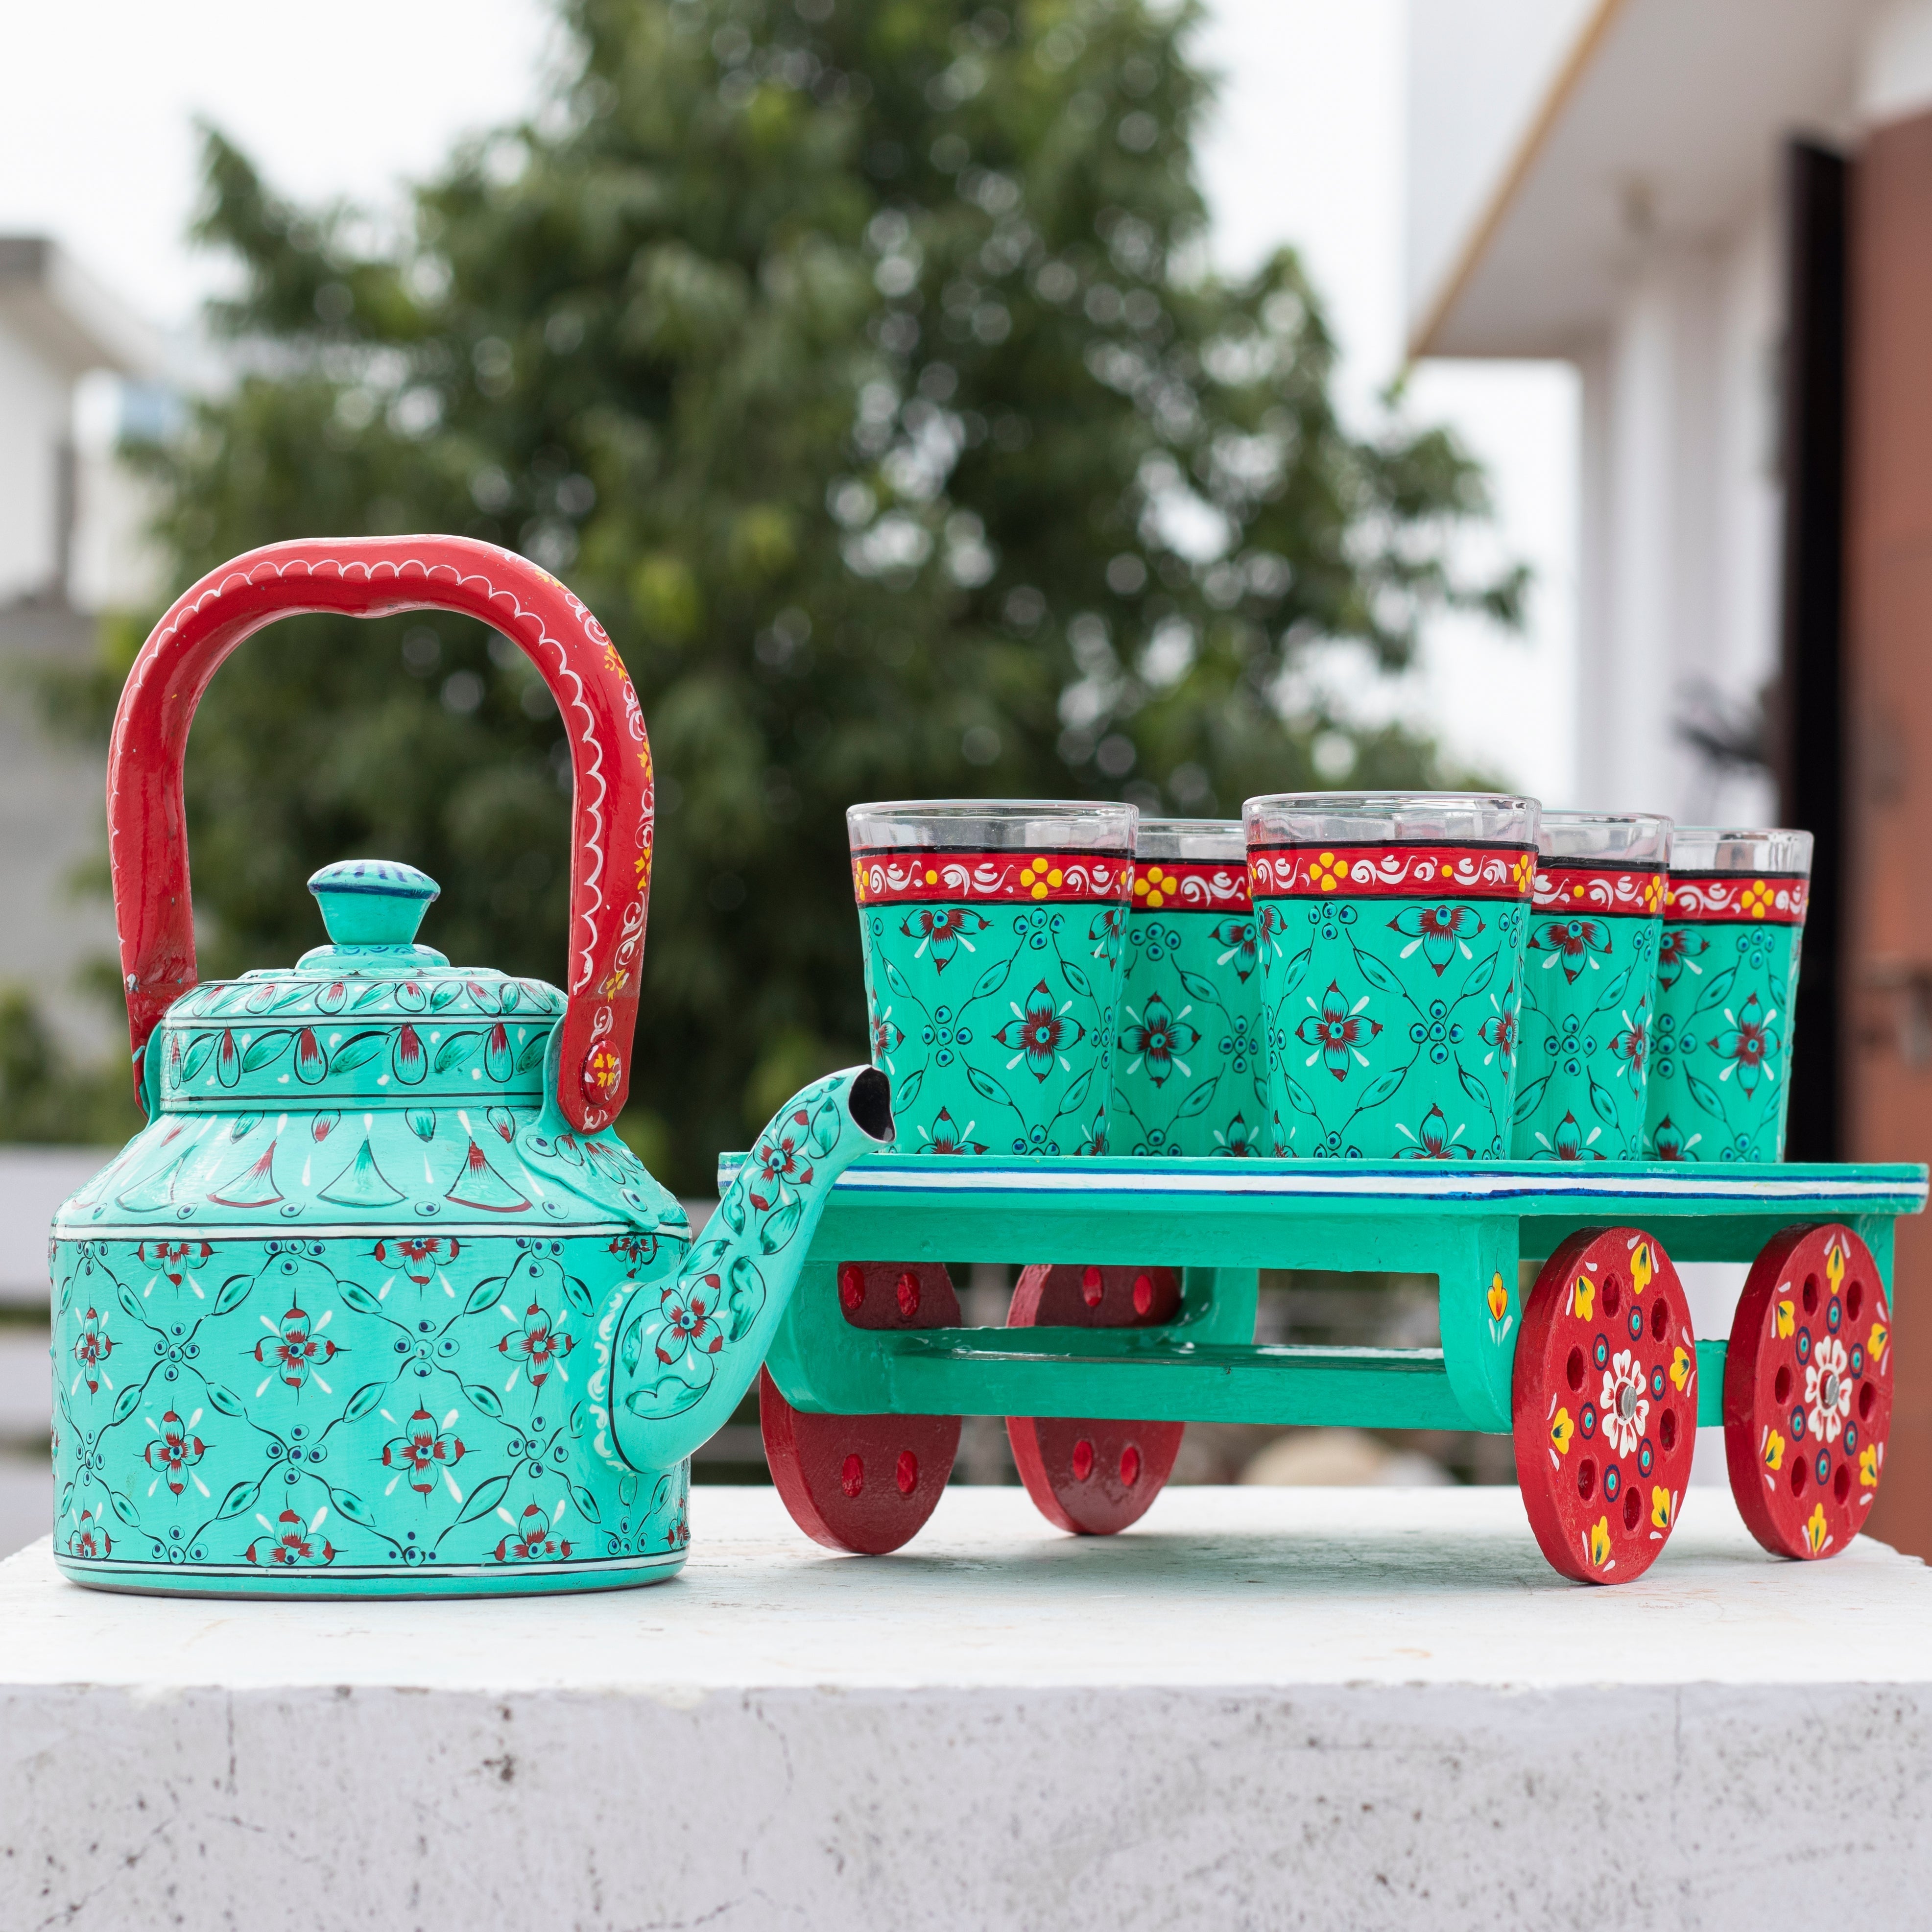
377 1303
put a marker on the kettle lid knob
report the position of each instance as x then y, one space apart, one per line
373 901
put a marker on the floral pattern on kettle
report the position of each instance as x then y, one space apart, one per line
242 1436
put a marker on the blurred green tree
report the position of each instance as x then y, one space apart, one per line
859 365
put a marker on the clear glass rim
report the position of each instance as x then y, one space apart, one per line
1392 817
994 824
1741 848
1205 839
1606 838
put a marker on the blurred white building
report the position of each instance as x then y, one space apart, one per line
1605 182
76 368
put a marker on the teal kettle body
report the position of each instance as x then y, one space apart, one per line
377 1303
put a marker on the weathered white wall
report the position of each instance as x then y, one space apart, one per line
1680 508
1270 1708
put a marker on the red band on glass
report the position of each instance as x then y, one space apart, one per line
1392 872
1639 895
894 877
1191 885
1736 898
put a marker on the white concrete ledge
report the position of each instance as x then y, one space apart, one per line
1285 1708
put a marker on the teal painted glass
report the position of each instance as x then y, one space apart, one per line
1727 973
1589 973
1391 929
995 938
1190 1074
358 1313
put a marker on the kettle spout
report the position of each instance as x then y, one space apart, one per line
688 1347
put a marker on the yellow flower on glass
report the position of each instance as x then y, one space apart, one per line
1757 900
1680 1369
1599 1541
1643 1266
1784 1321
1653 892
1034 877
1774 1450
1868 1465
1583 1298
1560 1431
1498 1298
1155 886
1816 1533
1660 1507
1327 872
1525 871
1875 1342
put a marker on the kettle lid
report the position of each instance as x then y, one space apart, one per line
372 1018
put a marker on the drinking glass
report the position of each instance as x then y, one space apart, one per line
1726 974
994 933
1390 927
1190 1075
1589 973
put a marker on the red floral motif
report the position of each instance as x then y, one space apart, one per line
779 1163
1676 949
1432 1140
887 1038
1668 1142
292 1541
948 1137
636 1249
175 1258
92 1347
1238 936
1569 942
174 1452
538 1343
1159 1039
1036 1033
531 1540
1751 1040
295 1352
89 1538
1497 1032
1567 1143
1632 1045
1440 930
944 931
1334 1031
423 1450
418 1256
691 1320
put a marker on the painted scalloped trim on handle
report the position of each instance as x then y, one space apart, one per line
376 576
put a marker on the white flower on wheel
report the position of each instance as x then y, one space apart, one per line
1828 1390
1626 1407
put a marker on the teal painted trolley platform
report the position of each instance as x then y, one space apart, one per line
1140 1316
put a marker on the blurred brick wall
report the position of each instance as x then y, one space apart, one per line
1888 647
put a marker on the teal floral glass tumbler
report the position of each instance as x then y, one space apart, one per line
1190 1076
1726 974
1589 972
1391 927
994 935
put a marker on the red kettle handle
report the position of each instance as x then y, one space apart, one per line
372 577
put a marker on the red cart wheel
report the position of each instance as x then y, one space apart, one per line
1094 1477
1807 1391
866 1483
1603 1401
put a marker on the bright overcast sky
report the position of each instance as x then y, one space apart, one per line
98 148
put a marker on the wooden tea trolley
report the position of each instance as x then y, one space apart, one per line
1139 1316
